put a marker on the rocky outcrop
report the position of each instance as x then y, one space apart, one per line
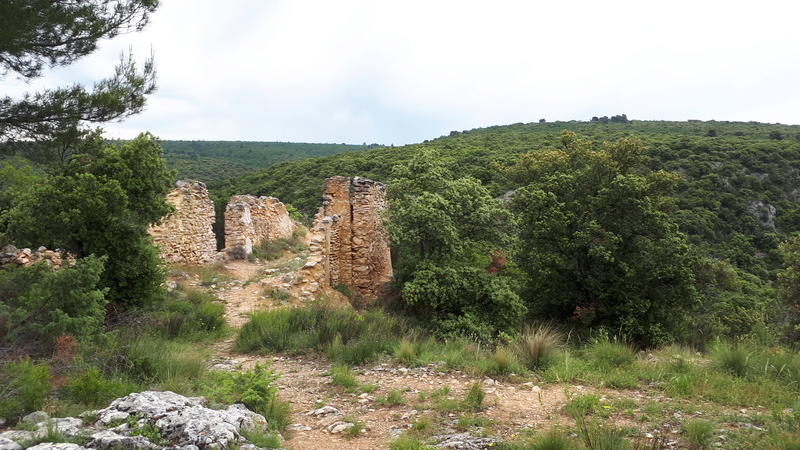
186 237
250 221
180 422
56 259
348 244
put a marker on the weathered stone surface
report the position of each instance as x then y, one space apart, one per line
186 237
8 444
250 221
182 422
107 440
59 446
464 441
348 244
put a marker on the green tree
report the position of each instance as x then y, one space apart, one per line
101 205
598 241
37 304
789 291
443 231
39 34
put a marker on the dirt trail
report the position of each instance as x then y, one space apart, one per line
511 407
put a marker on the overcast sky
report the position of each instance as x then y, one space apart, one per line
399 72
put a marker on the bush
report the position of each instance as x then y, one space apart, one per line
194 315
463 300
92 389
41 305
25 386
254 388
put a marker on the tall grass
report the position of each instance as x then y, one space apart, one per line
538 346
346 335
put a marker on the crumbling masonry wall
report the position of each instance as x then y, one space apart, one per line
250 221
24 257
186 237
348 244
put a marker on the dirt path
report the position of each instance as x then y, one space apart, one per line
511 408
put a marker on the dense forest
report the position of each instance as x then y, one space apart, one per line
214 161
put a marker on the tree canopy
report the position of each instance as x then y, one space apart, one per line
598 241
41 34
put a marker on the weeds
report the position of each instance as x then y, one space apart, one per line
699 433
473 401
342 375
392 398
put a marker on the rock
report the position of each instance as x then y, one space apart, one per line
8 444
107 440
298 427
35 417
463 441
324 411
339 427
59 446
184 420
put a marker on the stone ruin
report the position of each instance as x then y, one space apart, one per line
186 236
347 244
250 221
25 257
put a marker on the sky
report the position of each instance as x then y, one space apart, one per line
400 72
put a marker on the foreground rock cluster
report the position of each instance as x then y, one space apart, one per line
145 420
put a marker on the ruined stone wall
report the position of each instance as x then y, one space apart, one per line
56 259
348 245
186 236
250 221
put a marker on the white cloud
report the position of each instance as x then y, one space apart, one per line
400 72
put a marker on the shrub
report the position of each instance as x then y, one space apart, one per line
92 389
581 405
254 388
25 386
392 398
346 335
734 359
42 305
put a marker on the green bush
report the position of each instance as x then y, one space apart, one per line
25 386
463 300
734 359
40 304
254 388
92 389
342 375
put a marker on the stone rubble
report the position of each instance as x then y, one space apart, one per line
25 257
